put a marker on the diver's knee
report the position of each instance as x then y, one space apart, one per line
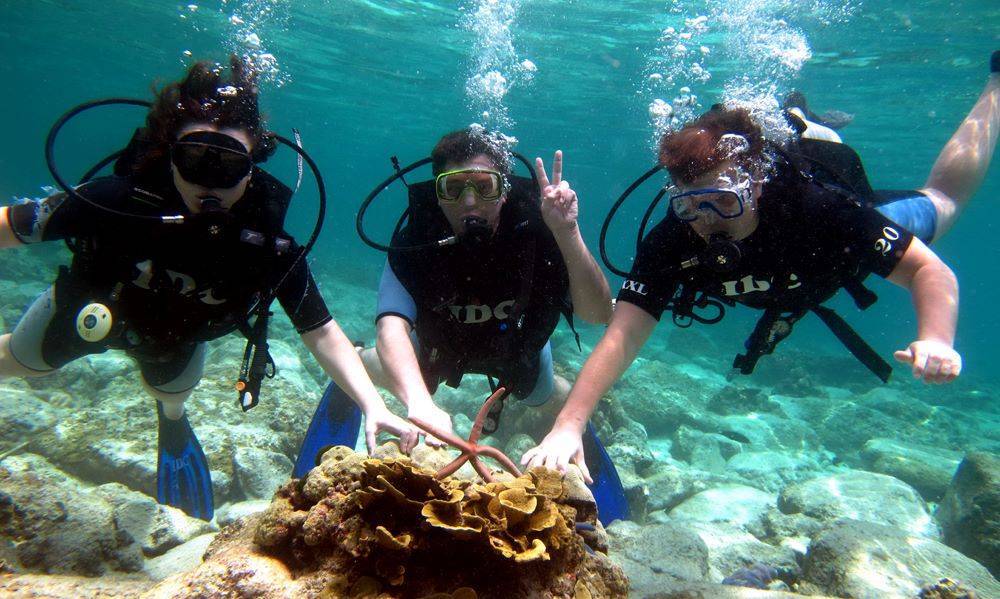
173 403
10 366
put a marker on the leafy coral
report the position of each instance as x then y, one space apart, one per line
388 528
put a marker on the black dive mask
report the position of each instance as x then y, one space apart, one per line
211 159
475 231
723 253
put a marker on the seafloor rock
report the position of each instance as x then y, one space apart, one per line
731 549
179 559
48 523
773 470
738 505
389 528
705 451
734 399
969 514
669 485
860 495
926 469
156 528
663 398
231 512
863 559
260 472
848 426
653 555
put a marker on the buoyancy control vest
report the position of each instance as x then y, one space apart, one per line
480 307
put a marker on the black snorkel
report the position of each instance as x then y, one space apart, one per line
399 174
257 362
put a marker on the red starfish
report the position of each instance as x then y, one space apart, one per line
471 449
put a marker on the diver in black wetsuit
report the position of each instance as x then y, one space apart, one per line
774 235
158 291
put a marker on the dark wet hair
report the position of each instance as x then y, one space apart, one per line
465 144
204 95
695 149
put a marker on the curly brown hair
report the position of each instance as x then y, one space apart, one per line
695 149
204 95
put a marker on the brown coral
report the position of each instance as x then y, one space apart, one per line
388 528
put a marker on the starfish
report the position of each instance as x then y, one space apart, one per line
470 448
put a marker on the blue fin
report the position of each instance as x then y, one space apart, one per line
183 479
337 421
607 488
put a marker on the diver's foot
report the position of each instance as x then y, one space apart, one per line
995 62
183 477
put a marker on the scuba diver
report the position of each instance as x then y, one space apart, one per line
770 228
476 281
185 243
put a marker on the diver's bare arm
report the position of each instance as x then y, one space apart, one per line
7 237
588 286
629 329
399 361
340 360
934 290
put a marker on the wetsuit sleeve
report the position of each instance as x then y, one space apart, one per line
300 298
394 299
876 243
650 285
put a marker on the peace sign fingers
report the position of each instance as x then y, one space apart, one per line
557 166
557 169
543 179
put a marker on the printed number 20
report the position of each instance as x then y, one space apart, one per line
884 244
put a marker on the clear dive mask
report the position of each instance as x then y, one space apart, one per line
487 185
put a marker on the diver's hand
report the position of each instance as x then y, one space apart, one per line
559 204
427 411
380 420
934 361
556 451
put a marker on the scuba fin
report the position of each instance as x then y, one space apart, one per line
337 421
607 488
183 479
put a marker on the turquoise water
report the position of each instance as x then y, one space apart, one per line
365 80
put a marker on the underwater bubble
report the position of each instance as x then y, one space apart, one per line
192 7
495 68
252 40
655 77
227 91
186 53
235 20
659 109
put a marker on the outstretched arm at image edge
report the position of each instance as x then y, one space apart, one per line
7 237
934 289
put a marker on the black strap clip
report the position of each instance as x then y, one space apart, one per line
257 361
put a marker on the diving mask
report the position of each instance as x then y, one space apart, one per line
726 202
211 159
486 185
